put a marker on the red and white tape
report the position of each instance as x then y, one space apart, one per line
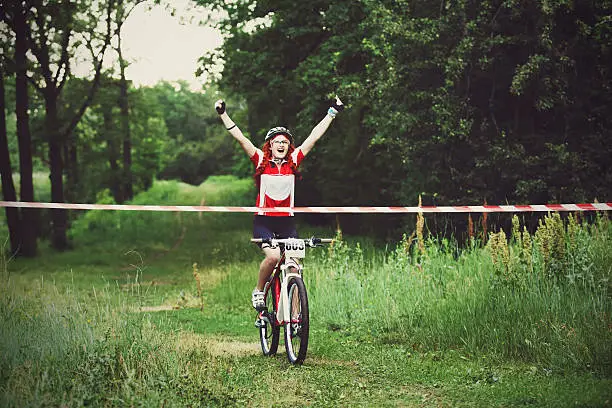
354 210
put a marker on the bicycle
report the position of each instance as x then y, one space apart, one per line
286 300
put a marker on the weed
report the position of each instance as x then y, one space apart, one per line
196 276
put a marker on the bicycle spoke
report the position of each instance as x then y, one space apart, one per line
269 332
296 330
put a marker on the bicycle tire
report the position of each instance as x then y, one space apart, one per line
297 329
269 332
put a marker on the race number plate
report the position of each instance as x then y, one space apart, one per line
295 248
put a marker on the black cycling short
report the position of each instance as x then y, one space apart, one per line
265 226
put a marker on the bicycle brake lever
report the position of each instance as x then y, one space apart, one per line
314 242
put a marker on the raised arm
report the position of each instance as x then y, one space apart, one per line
234 130
321 127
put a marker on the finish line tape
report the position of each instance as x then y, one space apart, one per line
321 210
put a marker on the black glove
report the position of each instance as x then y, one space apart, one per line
220 106
337 105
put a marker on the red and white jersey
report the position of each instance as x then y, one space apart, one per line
276 183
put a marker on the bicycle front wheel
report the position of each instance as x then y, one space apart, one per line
296 330
269 330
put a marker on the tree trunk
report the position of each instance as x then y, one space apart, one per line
29 216
125 127
116 184
72 192
6 173
58 217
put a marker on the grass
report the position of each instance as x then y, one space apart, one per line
119 321
448 303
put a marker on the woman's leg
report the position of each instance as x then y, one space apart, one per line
267 265
281 227
268 227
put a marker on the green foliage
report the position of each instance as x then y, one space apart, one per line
559 251
125 226
174 134
505 268
492 299
464 101
196 146
550 238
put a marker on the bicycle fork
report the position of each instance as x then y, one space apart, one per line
289 270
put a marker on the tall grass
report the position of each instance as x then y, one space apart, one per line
73 338
553 310
97 352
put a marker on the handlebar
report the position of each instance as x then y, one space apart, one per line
310 242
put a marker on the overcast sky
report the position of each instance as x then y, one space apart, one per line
160 46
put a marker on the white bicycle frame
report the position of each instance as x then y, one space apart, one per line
283 312
295 249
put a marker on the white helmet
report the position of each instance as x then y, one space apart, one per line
279 130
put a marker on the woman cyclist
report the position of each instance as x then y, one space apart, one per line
276 167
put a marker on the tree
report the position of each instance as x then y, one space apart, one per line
498 111
458 101
198 147
123 11
23 231
99 135
63 20
6 174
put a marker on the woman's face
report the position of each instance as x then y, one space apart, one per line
280 146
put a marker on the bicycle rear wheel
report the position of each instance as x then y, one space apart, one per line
296 330
269 330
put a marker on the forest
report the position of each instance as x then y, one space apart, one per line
451 102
